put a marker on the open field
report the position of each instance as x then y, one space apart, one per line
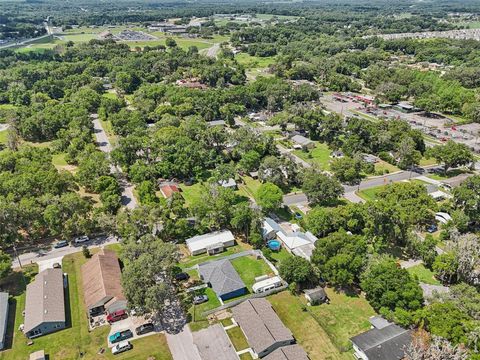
192 194
3 136
249 188
308 333
423 274
319 156
76 339
254 62
345 316
249 268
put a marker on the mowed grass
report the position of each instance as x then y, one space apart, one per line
59 159
423 274
308 333
3 136
198 321
254 62
319 156
250 187
238 339
370 194
192 194
248 267
385 167
345 316
198 259
76 339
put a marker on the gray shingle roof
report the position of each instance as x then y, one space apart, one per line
290 352
45 299
222 276
387 343
301 140
260 324
3 314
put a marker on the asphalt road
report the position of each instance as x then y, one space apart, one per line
382 180
43 255
128 199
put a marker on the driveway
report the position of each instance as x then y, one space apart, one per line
48 263
181 345
299 200
213 341
131 323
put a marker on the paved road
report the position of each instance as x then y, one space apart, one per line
382 180
128 199
181 345
46 255
212 51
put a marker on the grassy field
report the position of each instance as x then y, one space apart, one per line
308 333
423 274
250 187
345 316
249 268
192 194
238 339
246 356
384 167
426 162
470 24
319 156
279 256
59 160
254 62
370 194
76 339
3 136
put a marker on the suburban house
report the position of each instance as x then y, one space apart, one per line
222 277
385 341
437 194
167 190
290 352
316 296
211 243
230 184
45 304
102 288
3 317
301 142
296 242
264 330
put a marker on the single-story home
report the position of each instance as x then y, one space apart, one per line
222 277
293 240
211 243
230 184
437 194
263 328
290 352
3 317
168 190
45 304
370 159
270 228
102 287
216 123
316 296
302 142
385 341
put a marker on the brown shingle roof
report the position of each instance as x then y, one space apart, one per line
101 277
45 300
290 352
260 324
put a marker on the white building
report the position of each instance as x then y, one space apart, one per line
267 284
211 243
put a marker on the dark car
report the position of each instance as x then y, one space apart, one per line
432 228
120 336
181 276
60 244
145 328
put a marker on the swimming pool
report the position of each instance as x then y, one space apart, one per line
274 245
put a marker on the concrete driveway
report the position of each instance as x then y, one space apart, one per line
48 263
181 345
131 323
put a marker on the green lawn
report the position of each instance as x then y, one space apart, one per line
192 194
385 168
306 330
197 259
59 159
68 343
238 339
250 187
423 274
425 162
248 267
442 176
246 356
3 136
320 156
344 317
197 320
254 62
279 256
370 194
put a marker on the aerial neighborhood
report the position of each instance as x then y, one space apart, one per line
210 180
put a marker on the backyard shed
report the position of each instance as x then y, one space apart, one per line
316 296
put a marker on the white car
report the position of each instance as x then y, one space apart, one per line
121 347
81 239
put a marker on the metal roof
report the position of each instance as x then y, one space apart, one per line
202 241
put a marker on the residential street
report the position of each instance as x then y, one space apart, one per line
128 199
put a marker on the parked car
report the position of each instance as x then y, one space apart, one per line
181 276
200 299
121 347
298 216
57 266
120 336
432 228
60 244
117 316
145 328
81 239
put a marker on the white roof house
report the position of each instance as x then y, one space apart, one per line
296 239
270 228
202 243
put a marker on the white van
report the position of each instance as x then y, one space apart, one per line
267 284
121 347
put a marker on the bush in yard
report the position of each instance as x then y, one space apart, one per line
86 252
